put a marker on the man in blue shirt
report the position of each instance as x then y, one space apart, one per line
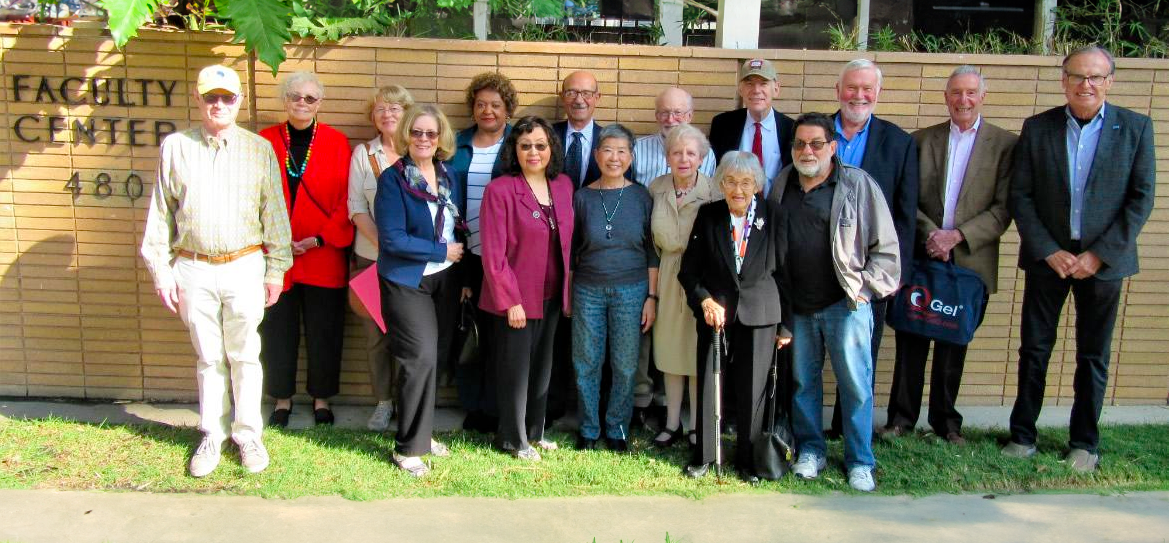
1078 220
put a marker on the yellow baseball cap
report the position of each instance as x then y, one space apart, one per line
218 78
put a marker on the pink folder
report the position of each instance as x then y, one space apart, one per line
365 285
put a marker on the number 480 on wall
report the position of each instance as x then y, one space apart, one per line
103 186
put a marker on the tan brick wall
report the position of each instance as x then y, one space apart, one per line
78 317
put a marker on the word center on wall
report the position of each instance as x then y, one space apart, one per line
79 147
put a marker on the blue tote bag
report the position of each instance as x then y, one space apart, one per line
941 301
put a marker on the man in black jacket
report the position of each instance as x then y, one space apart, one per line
756 127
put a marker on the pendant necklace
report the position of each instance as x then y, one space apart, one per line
551 205
609 216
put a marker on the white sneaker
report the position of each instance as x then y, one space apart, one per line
861 478
380 419
808 465
206 457
253 456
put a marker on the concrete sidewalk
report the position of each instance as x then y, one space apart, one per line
31 516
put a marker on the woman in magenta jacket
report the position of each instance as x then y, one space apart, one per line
315 157
526 225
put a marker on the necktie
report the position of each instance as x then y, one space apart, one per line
757 145
572 160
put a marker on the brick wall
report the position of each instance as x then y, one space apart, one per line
78 316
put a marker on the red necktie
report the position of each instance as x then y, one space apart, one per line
757 143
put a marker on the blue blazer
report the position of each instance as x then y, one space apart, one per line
405 230
1118 197
891 160
461 161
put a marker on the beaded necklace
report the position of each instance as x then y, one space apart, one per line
289 162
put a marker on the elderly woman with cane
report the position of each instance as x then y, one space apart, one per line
730 274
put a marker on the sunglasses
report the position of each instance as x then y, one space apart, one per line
423 134
225 99
816 145
307 98
541 147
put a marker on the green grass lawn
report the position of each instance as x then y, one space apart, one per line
58 454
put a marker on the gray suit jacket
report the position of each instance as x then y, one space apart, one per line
981 214
1118 197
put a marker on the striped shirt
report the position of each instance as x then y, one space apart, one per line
216 196
649 159
478 176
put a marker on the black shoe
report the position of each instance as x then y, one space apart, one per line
616 445
748 477
696 471
279 418
585 444
323 416
672 437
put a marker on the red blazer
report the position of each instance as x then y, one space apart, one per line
322 208
515 244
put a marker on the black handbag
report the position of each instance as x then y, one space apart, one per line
773 450
469 331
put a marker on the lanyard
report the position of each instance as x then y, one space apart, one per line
739 246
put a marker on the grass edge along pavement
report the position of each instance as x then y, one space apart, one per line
54 453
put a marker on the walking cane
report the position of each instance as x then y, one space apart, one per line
716 370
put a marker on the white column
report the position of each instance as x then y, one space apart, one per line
1045 23
670 17
482 13
862 25
738 24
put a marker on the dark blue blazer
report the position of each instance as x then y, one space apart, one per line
405 231
593 173
1118 197
891 160
726 132
461 161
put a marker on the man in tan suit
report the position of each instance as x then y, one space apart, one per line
961 214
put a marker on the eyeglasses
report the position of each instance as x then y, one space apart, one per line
1093 80
541 147
381 110
745 186
225 99
571 94
423 134
676 114
816 145
308 98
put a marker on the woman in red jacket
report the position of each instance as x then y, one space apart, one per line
526 230
316 165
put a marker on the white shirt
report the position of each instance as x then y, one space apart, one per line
448 233
586 147
363 189
771 151
958 150
649 159
478 176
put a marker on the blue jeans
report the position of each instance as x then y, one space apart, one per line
847 335
609 314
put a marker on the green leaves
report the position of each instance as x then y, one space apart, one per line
262 25
125 16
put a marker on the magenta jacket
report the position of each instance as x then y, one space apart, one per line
515 244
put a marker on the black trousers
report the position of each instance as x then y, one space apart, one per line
1096 304
323 311
745 372
909 381
475 380
421 323
880 306
522 374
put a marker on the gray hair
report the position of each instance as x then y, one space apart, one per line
684 133
968 69
861 64
740 162
615 131
1087 49
296 78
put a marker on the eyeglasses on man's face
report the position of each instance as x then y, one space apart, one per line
1093 80
571 94
816 145
225 99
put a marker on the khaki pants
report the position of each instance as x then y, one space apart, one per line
222 306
